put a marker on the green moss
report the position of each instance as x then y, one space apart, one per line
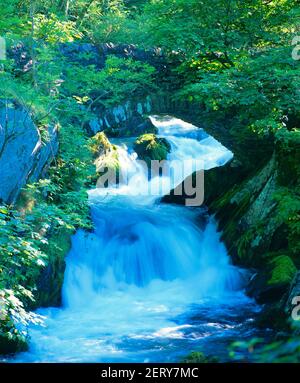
106 154
100 144
107 162
149 147
283 270
199 357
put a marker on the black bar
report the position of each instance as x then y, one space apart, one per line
90 373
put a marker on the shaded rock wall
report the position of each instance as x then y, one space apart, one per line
243 196
23 155
125 119
253 227
50 282
90 54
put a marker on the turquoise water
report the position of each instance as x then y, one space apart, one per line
150 283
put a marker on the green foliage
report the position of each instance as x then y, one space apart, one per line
110 86
256 88
283 270
199 357
14 18
20 262
216 29
53 30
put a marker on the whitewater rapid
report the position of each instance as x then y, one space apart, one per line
150 283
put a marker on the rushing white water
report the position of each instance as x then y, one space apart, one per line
148 284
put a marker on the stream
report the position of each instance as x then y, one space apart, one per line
153 281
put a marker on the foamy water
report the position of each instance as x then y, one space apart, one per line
148 284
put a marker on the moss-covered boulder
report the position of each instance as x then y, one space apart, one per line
150 147
222 178
100 144
244 210
105 154
108 161
271 283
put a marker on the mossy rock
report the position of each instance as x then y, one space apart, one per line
220 180
108 162
283 270
106 154
150 147
271 283
100 144
247 215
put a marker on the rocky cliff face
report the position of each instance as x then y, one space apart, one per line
252 209
255 202
130 118
24 156
122 120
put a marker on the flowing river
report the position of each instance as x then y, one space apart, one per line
153 281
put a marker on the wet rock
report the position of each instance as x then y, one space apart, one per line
20 55
50 282
199 357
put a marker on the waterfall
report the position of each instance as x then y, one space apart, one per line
133 286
